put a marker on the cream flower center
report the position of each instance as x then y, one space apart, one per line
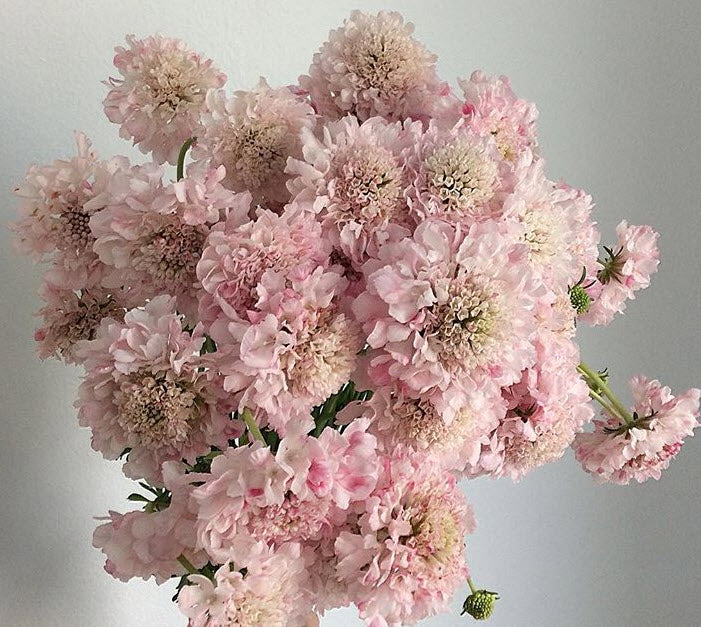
323 356
171 254
82 322
73 228
543 234
158 410
418 423
436 533
548 446
464 327
255 151
383 59
461 176
169 82
368 186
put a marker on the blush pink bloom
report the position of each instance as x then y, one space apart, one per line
354 178
238 252
453 439
297 348
458 175
557 227
297 494
252 135
271 592
450 310
545 409
404 557
161 94
57 202
68 317
492 108
148 544
627 269
146 389
617 453
373 66
151 236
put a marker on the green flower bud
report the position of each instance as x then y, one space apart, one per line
480 604
580 299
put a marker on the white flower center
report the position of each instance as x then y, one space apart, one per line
461 176
159 411
464 327
418 423
368 186
543 234
170 255
436 533
171 82
255 151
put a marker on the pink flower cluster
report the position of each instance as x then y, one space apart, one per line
362 289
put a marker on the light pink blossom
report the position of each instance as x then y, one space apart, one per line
152 235
252 135
146 391
492 108
270 592
450 310
354 178
148 544
626 270
161 94
296 494
617 453
405 556
373 66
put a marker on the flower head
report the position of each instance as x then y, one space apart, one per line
147 390
444 312
618 453
627 269
57 204
269 589
252 135
152 236
355 178
405 556
373 66
492 108
161 95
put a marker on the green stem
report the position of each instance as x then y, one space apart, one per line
187 565
472 586
591 376
253 428
181 158
603 402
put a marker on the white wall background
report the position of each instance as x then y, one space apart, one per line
617 85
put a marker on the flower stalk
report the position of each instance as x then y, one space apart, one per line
600 392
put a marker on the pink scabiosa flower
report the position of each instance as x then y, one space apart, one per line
457 175
269 589
252 135
296 494
354 178
627 269
69 317
451 438
373 66
492 108
297 348
161 95
238 252
450 309
152 236
57 202
641 449
148 543
559 236
404 557
147 392
545 409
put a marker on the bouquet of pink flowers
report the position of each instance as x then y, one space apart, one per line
361 289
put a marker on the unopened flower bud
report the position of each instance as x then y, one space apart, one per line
480 604
580 299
